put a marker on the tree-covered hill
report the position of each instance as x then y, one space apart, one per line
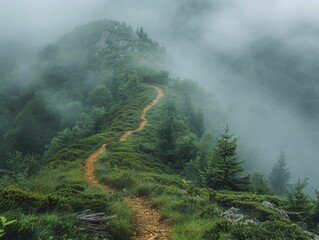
73 80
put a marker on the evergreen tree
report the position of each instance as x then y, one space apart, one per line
315 213
194 118
224 170
298 201
279 176
142 35
260 183
167 134
187 148
198 123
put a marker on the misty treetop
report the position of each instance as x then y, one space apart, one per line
280 175
224 171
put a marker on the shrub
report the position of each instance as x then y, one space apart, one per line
266 230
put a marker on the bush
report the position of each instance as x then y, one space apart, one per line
122 180
144 189
266 230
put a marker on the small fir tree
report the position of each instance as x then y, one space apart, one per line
224 170
315 213
298 201
260 183
168 134
194 118
279 176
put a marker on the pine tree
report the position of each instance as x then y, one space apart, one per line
315 212
142 35
194 118
260 183
279 176
298 201
167 134
224 170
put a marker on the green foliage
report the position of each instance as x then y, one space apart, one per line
195 118
266 230
24 165
224 171
34 125
192 171
100 96
259 183
187 148
45 215
124 180
279 176
167 134
177 144
191 230
315 213
121 227
150 75
69 78
298 201
44 226
141 34
4 223
127 84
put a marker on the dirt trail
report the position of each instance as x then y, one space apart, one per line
149 226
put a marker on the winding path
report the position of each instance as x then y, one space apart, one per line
149 226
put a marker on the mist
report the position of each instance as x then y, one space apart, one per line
218 44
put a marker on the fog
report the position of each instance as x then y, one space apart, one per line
214 43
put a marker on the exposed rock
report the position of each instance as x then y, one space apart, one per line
123 43
271 205
132 49
107 39
311 235
282 212
250 221
232 215
268 204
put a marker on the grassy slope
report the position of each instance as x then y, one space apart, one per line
132 168
36 218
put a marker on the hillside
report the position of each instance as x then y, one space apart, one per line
101 143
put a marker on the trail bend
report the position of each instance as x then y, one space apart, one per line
149 226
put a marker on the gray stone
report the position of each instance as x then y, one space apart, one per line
272 206
232 215
107 39
311 235
268 204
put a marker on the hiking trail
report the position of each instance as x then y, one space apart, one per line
149 226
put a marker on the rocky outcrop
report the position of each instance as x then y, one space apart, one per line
107 39
271 205
232 215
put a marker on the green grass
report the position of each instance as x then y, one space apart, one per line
132 168
50 198
193 229
122 226
43 226
193 212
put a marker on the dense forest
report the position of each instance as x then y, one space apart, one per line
89 89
